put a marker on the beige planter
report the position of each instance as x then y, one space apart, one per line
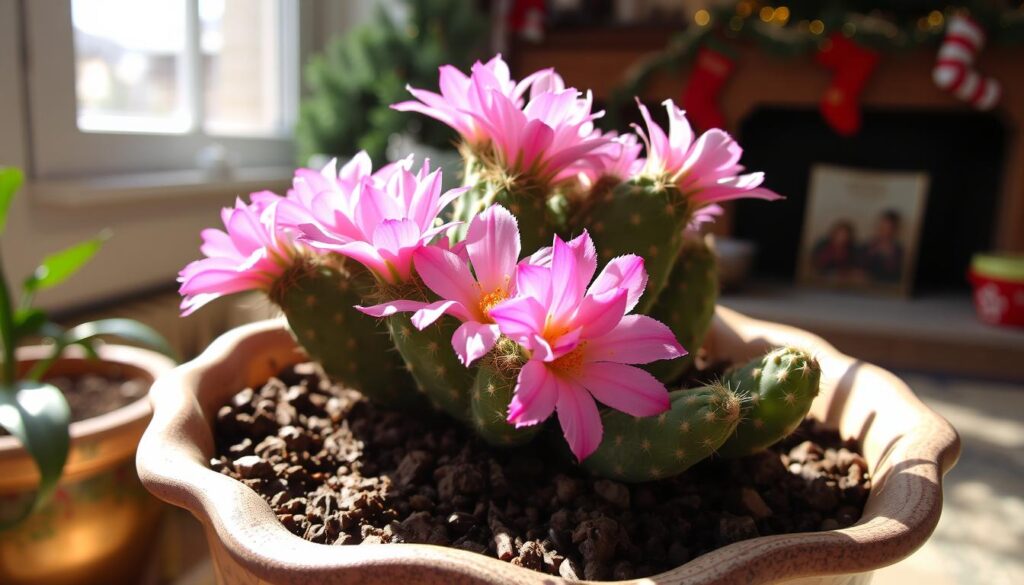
96 528
907 445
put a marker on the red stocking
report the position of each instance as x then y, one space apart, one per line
852 65
711 69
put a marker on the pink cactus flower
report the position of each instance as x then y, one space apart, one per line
548 138
618 160
462 94
379 220
492 247
250 254
707 169
583 342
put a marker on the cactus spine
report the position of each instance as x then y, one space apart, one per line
778 390
495 383
317 297
640 217
687 304
642 449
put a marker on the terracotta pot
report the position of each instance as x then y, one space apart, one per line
907 445
98 525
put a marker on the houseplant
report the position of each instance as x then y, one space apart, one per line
533 339
64 481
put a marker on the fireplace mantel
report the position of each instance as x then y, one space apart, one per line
597 59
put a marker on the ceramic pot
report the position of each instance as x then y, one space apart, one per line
908 448
98 525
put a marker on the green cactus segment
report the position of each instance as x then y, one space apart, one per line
318 301
777 392
538 220
640 218
429 357
687 305
643 449
491 396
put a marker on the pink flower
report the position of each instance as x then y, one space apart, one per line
250 255
581 341
379 220
492 246
550 138
619 159
461 95
707 169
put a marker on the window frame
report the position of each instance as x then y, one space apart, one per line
59 150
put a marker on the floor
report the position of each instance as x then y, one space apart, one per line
979 539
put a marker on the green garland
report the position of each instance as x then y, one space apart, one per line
799 27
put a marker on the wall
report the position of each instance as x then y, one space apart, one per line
152 239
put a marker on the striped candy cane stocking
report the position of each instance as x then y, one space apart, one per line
954 67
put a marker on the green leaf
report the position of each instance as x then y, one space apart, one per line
28 322
37 414
10 180
57 267
127 329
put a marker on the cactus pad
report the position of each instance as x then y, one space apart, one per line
317 298
642 449
778 390
496 379
643 218
687 305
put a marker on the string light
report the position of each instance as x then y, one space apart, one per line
781 15
817 27
767 13
935 18
744 8
702 17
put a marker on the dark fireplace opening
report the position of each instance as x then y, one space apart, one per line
962 152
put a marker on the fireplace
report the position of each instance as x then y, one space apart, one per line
961 151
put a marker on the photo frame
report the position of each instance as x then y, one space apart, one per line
862 229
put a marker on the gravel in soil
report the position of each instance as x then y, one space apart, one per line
336 470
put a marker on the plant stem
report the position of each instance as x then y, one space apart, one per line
6 329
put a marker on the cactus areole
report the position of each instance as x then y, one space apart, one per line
562 285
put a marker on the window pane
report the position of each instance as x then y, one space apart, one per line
242 66
130 65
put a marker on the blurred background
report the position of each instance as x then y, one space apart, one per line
900 151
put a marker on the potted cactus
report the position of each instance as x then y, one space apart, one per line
492 297
68 483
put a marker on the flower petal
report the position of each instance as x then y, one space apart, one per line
535 395
637 339
493 246
472 340
598 314
432 312
448 276
625 272
520 319
390 308
579 419
625 388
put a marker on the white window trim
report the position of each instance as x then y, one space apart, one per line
120 166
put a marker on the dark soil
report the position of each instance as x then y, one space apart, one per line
338 471
90 395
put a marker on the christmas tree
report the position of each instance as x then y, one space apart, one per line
360 74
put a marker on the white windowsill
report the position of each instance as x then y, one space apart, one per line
149 187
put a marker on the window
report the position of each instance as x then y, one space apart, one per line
128 87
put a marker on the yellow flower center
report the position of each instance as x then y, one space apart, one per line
489 300
570 363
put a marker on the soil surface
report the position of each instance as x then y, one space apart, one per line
90 395
336 470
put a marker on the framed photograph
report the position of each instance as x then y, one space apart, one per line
861 229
